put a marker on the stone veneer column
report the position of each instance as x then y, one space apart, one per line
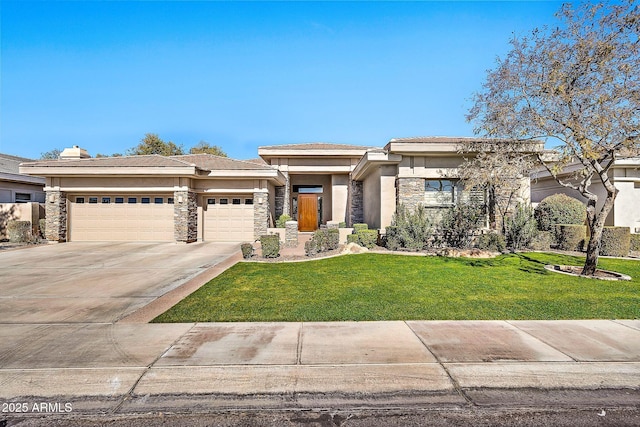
410 192
260 213
291 234
282 197
356 203
185 216
56 216
279 201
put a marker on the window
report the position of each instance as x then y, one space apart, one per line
307 189
439 192
170 200
93 200
132 200
158 200
23 197
80 200
145 200
235 201
248 201
224 201
119 200
106 200
211 201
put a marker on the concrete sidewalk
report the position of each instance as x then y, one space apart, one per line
137 368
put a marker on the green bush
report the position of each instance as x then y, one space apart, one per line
460 224
571 237
323 240
360 226
42 225
342 225
281 222
19 231
247 250
353 238
542 241
635 242
409 229
270 245
520 227
559 209
367 238
491 242
616 241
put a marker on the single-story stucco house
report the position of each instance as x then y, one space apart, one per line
624 174
204 197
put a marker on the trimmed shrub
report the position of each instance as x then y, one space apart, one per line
360 226
19 231
367 238
559 209
247 250
460 224
542 241
520 227
635 242
42 225
571 237
342 225
616 241
409 229
282 221
323 240
270 245
491 242
353 238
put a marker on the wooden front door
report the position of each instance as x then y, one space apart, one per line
307 212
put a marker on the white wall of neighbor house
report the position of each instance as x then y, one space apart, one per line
339 196
627 206
11 192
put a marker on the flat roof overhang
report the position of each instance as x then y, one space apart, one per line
373 159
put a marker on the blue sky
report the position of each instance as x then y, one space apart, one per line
101 74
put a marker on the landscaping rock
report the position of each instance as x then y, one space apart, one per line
353 248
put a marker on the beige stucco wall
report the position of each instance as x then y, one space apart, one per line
31 212
339 196
371 199
429 167
387 195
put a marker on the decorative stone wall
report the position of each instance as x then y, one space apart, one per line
279 201
185 216
291 234
356 202
410 191
260 213
56 216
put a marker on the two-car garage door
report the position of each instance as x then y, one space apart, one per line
151 218
121 218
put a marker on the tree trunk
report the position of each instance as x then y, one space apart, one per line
596 225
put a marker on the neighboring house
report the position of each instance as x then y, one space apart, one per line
20 194
210 198
16 187
625 175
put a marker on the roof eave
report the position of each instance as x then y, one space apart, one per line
371 160
108 171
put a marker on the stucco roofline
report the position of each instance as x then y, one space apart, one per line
270 174
448 145
373 159
319 149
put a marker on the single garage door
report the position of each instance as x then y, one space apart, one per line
228 218
121 218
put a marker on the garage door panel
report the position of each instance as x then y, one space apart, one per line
120 221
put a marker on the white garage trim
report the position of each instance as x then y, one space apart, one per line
133 217
227 218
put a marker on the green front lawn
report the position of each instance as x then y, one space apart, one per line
395 287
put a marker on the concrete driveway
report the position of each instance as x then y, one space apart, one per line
96 282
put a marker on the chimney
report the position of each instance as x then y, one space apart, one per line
74 152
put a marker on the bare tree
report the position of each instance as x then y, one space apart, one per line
578 86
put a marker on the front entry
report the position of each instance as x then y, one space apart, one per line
307 212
